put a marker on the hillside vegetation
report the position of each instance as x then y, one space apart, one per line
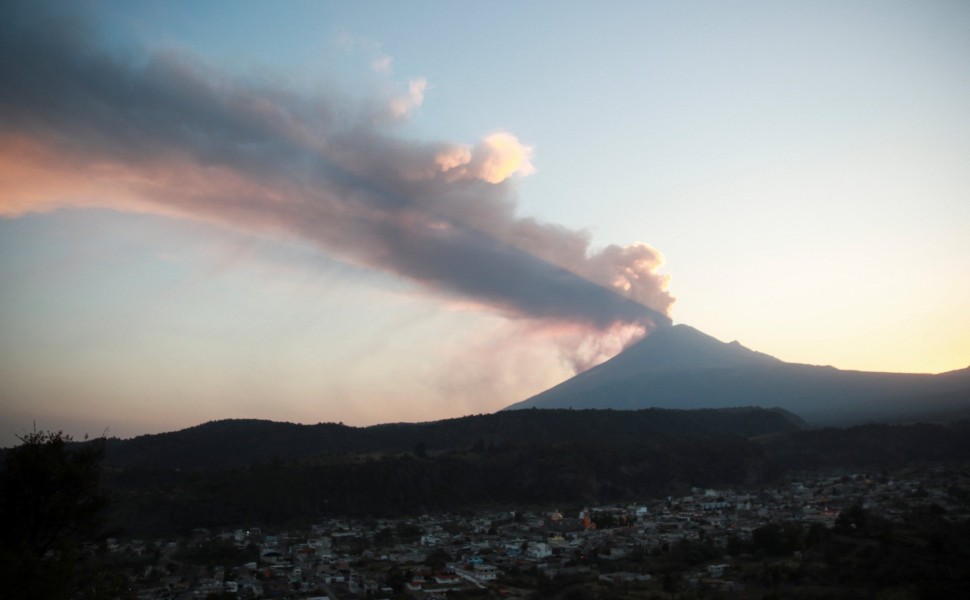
233 473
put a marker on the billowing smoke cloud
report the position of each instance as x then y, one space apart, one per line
174 136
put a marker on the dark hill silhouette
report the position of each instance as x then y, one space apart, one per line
565 466
241 443
680 367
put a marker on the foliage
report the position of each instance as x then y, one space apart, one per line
51 504
245 443
777 539
539 468
437 560
870 446
402 484
216 552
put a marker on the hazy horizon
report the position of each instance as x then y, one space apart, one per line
324 212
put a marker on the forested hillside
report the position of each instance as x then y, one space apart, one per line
527 458
243 443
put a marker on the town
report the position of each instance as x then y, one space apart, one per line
705 541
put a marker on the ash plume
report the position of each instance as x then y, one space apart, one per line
175 136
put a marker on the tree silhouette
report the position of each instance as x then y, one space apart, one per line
421 450
50 504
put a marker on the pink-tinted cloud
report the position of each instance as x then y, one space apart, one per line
82 127
400 107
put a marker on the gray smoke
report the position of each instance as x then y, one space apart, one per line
83 126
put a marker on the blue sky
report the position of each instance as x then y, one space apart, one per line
800 167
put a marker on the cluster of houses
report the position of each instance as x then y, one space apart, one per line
433 556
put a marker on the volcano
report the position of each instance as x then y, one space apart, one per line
680 367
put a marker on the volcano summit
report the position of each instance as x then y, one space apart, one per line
681 367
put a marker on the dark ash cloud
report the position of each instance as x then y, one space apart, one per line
170 134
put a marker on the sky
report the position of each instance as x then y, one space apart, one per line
407 211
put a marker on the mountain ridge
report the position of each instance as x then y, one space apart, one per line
571 463
681 367
243 442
